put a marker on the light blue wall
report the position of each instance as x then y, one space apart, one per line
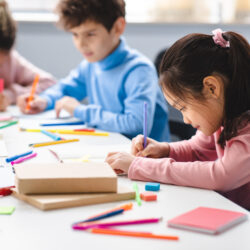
52 49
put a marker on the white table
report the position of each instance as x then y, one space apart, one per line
31 228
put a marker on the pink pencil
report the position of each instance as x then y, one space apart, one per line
24 159
84 226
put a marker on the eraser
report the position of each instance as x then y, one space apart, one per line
152 186
148 196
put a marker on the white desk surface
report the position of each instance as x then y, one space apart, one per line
30 228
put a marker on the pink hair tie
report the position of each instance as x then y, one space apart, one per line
219 39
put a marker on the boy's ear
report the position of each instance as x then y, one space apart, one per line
119 26
212 86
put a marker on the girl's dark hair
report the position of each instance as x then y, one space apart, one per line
73 13
7 28
195 56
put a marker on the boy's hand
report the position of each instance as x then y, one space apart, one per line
67 103
153 149
3 102
37 105
120 161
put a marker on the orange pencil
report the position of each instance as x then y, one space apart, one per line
32 92
132 233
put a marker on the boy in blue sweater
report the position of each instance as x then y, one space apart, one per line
116 79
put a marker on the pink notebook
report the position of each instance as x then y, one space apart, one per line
207 220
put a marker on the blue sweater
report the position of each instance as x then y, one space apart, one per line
117 88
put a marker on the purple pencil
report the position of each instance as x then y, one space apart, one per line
85 226
145 127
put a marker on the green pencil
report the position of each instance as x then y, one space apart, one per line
137 194
8 124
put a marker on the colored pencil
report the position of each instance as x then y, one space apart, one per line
132 234
100 217
53 143
32 92
126 207
13 158
145 127
20 160
9 124
137 194
85 226
51 135
83 133
62 123
56 155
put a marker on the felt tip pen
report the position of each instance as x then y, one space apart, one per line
20 160
12 158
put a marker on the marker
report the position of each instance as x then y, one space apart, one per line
137 194
53 143
9 124
32 92
85 226
51 135
145 127
63 124
24 159
131 233
12 158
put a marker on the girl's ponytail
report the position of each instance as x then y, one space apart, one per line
7 27
237 91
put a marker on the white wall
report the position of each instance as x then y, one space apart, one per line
52 49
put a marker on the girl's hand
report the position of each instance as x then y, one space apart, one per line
120 161
153 149
67 103
37 105
3 102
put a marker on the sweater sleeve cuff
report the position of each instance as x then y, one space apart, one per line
133 167
50 103
80 112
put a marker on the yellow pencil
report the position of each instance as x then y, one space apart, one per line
67 131
53 143
82 133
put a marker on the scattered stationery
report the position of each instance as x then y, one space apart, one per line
63 123
56 130
132 234
207 220
152 186
44 178
7 210
145 128
137 194
85 226
8 124
20 160
42 144
51 135
32 92
83 133
148 196
56 201
12 158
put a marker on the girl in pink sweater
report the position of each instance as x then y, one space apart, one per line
207 78
17 73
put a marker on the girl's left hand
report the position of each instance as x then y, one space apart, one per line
120 161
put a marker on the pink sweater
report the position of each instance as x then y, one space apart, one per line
200 162
18 75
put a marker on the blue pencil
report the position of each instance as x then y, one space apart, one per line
145 127
12 158
51 135
109 214
62 124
